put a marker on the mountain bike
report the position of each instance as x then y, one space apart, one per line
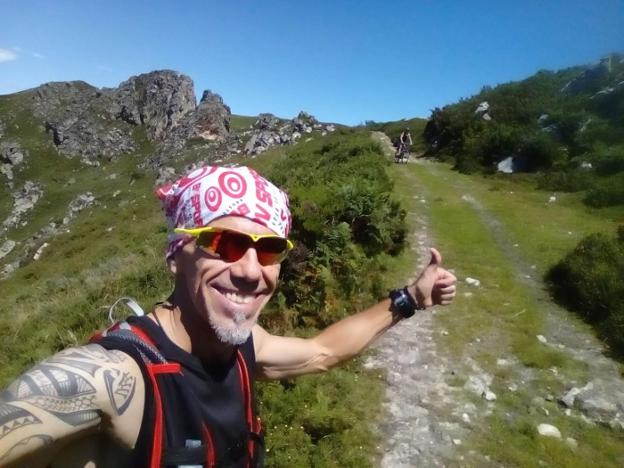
402 154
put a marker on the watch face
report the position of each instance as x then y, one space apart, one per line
402 303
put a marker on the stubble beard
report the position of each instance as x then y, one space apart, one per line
235 333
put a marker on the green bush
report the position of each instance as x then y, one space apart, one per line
611 164
590 281
345 224
609 192
344 221
531 118
571 180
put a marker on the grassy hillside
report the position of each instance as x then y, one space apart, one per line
115 249
503 232
393 129
567 125
241 122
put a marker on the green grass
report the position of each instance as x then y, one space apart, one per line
240 123
500 319
544 231
62 299
394 129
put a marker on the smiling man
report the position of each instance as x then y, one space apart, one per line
175 387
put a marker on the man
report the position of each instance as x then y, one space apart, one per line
406 138
174 388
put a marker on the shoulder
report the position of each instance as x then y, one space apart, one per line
88 369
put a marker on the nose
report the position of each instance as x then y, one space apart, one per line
247 268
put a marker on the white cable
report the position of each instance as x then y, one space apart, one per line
130 303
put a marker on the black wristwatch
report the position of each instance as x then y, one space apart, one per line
403 303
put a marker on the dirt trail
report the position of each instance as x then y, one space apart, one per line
426 417
418 399
561 331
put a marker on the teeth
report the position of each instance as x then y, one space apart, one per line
239 298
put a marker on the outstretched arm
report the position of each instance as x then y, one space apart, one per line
280 357
75 392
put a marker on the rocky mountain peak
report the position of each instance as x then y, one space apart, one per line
158 100
91 124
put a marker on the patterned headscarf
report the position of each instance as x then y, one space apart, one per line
211 192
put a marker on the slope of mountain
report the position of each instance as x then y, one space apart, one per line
67 146
568 124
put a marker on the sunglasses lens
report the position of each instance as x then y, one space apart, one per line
271 250
231 246
208 241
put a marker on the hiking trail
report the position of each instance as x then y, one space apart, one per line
426 418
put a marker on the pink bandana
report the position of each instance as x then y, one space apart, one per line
211 192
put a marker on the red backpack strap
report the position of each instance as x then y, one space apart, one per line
159 419
253 423
127 337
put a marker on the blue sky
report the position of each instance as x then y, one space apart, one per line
343 61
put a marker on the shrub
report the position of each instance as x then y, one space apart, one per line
590 281
611 164
571 180
609 192
540 151
345 224
344 219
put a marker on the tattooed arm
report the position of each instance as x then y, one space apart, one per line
75 392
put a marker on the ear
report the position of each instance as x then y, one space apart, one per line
173 266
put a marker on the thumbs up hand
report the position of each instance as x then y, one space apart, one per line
435 285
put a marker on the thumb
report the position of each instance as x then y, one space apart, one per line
436 257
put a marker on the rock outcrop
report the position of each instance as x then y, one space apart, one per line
94 124
81 122
209 122
158 100
11 156
32 248
24 200
269 131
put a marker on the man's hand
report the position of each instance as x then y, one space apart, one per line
435 285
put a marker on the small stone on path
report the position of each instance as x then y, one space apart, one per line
473 281
548 430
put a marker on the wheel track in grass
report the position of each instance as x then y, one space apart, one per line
423 423
561 332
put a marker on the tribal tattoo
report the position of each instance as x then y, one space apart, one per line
58 391
33 442
120 388
12 418
55 387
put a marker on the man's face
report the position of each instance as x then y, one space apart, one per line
229 296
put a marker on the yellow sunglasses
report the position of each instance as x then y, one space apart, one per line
231 245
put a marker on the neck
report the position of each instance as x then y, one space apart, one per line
183 327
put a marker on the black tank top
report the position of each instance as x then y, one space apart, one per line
202 397
217 387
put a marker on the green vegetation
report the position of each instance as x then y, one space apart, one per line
589 281
394 129
239 123
344 222
343 219
566 124
116 249
501 318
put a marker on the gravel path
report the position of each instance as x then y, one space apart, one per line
416 431
426 418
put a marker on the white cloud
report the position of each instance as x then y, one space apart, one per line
37 55
7 55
